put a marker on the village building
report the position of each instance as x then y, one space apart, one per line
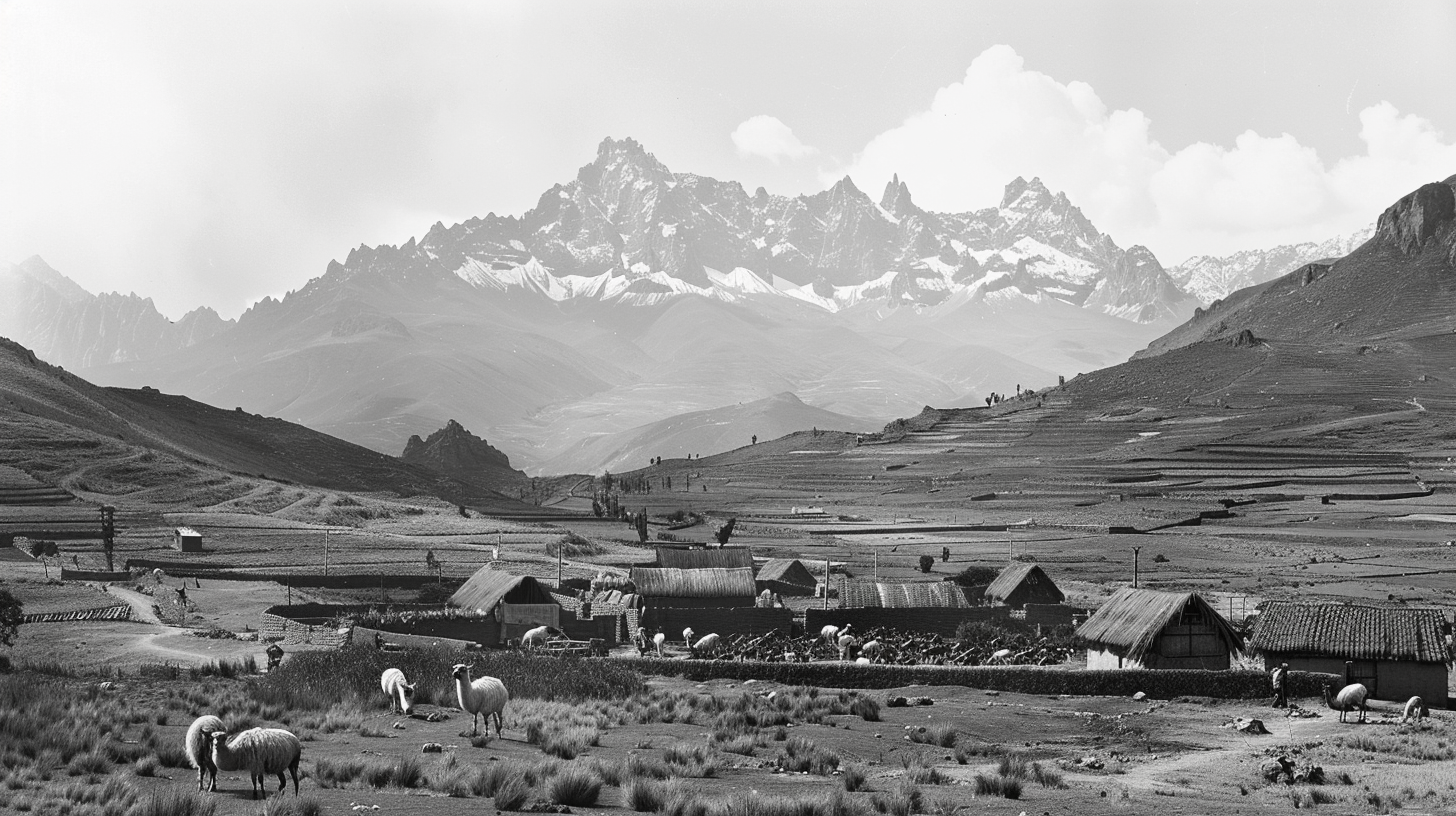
1147 629
515 603
701 558
785 576
1396 652
922 594
1022 584
186 539
707 587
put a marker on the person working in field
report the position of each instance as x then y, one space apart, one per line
1280 680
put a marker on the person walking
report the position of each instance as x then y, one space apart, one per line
1280 680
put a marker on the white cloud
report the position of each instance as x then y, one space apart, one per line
1003 120
767 137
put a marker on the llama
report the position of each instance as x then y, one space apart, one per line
535 637
688 637
872 649
657 640
484 696
1350 697
261 752
401 694
1415 709
199 748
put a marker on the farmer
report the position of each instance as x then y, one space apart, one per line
1280 680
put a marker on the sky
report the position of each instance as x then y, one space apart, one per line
216 153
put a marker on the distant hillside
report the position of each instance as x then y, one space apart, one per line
157 448
704 433
459 454
1211 278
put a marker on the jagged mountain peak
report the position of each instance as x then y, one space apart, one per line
897 200
1023 194
1426 213
454 451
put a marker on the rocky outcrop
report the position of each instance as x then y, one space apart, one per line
455 452
1413 221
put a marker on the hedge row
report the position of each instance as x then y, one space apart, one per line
1236 684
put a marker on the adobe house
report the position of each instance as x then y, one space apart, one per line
1022 584
1396 652
706 587
1147 629
786 576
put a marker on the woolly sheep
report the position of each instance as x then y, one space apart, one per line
831 633
1350 697
536 637
199 748
846 643
688 637
401 694
999 656
485 696
261 752
872 649
707 644
1415 708
657 640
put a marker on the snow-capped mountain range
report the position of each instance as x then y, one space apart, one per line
629 231
1211 278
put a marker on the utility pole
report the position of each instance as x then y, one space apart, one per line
1135 566
826 582
326 552
877 566
558 565
1010 549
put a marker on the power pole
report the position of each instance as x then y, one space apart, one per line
1135 566
877 566
826 582
108 534
558 565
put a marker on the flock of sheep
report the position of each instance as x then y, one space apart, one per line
264 752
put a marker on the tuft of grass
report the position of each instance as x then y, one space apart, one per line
901 800
576 788
611 773
292 806
173 801
512 794
644 795
638 766
943 736
866 708
1047 777
1014 766
801 754
853 778
694 761
1004 786
147 766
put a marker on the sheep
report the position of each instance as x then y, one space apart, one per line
846 643
999 656
1415 709
199 749
401 694
261 752
831 633
535 637
1350 697
707 644
862 661
872 649
485 696
657 640
688 637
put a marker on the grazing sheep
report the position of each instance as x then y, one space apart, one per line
688 637
659 639
872 649
199 749
1415 709
535 637
261 752
484 696
999 656
846 643
1350 697
707 644
401 694
831 633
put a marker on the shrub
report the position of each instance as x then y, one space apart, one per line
866 708
512 794
576 788
644 795
927 562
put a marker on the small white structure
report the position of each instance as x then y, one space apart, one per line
186 539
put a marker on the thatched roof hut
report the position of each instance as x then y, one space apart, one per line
694 587
943 594
786 576
1144 628
1396 652
697 558
1021 584
490 586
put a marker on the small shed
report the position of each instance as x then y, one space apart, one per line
1396 652
785 576
1147 629
702 558
186 539
709 587
1022 584
517 602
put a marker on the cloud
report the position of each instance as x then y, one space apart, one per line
767 137
1003 120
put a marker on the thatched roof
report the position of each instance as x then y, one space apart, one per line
694 583
489 586
903 596
1352 631
1132 619
723 558
788 571
1016 575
